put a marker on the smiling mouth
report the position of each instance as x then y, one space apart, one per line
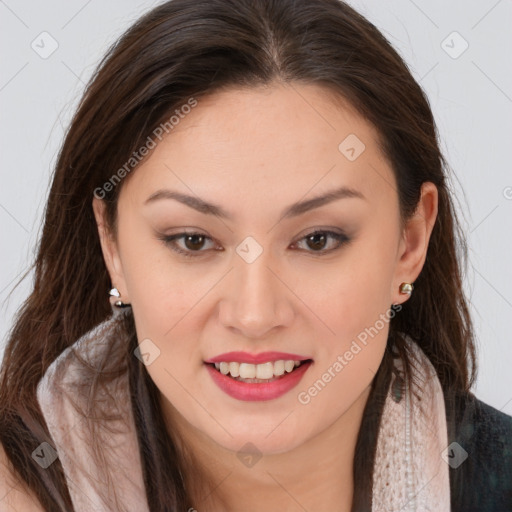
258 373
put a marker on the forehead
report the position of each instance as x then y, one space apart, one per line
264 145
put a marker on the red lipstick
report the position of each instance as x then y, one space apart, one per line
257 391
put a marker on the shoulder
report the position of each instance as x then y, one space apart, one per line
481 426
481 467
14 495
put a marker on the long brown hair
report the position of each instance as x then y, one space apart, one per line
189 48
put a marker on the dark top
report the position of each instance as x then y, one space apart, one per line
481 479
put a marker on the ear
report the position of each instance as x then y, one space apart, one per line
414 241
109 249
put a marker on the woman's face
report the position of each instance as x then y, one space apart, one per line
253 280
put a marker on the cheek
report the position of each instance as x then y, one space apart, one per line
357 312
161 292
166 307
348 295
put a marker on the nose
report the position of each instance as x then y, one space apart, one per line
257 299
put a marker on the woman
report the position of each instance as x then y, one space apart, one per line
259 188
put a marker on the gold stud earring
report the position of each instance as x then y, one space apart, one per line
406 288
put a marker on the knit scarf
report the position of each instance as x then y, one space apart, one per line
410 470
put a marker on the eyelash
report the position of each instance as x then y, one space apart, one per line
170 242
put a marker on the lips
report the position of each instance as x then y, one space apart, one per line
262 357
270 390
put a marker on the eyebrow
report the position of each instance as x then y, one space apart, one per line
293 210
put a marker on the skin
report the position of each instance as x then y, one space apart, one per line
254 152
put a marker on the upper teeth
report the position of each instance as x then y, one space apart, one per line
256 371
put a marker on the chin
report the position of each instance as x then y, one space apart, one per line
256 438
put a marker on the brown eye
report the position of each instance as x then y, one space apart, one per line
194 242
191 243
318 240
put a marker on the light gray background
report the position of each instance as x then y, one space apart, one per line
470 93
